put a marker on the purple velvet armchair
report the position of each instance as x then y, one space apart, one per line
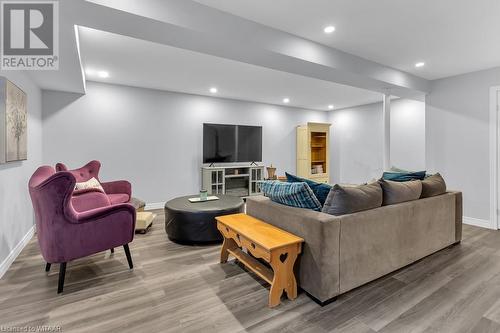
119 191
64 233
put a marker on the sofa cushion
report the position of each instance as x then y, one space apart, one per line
320 190
396 192
92 183
118 198
350 199
403 176
291 194
89 200
432 186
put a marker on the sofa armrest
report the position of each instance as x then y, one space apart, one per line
118 186
318 271
96 214
458 215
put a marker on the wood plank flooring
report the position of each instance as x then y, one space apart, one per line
177 288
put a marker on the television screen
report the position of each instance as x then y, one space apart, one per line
231 143
249 144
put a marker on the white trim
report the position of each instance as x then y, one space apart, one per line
4 266
477 222
387 131
154 205
494 157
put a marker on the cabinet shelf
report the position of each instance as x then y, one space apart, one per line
236 176
313 151
240 181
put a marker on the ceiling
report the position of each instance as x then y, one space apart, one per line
452 37
140 63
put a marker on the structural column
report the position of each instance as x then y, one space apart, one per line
387 131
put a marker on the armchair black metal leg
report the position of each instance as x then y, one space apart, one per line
129 257
62 273
47 267
112 250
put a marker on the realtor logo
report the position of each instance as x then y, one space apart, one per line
30 35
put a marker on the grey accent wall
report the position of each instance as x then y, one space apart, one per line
16 213
154 138
357 140
457 124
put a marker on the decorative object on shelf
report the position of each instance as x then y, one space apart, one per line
203 195
13 122
313 156
271 173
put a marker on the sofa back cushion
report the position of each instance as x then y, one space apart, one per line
403 176
291 194
320 190
396 192
350 199
432 186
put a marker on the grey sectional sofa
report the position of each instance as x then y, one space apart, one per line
343 252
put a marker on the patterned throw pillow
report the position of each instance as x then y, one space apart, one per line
291 194
92 183
320 190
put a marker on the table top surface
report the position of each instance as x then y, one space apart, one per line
264 234
224 202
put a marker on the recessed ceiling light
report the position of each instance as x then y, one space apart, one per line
331 106
103 74
213 90
329 29
420 64
286 100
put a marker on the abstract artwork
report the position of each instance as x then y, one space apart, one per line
13 122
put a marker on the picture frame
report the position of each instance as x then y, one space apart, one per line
13 122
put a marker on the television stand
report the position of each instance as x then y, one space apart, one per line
240 181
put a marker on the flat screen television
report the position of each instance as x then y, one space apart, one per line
231 143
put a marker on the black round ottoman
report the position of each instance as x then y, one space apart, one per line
194 222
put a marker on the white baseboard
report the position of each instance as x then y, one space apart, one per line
4 266
154 205
477 222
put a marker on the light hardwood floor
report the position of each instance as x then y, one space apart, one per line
176 288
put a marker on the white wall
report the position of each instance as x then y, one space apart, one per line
154 138
357 140
16 212
457 129
408 134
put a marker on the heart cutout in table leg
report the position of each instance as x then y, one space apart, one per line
283 257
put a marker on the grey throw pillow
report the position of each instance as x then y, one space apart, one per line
396 192
350 199
432 186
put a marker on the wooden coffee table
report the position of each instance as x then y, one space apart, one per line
262 240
